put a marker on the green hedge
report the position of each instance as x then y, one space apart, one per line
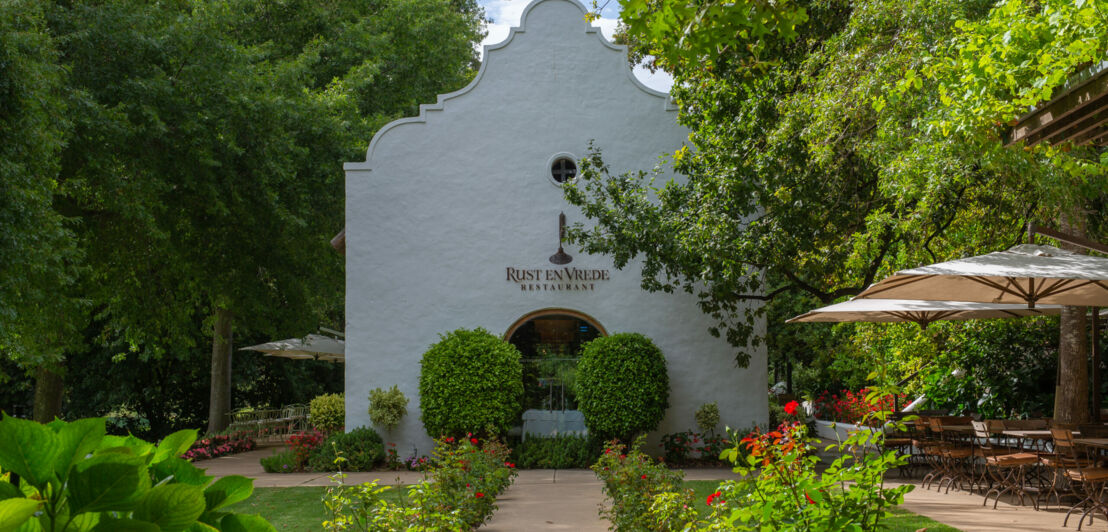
556 452
470 382
362 448
622 386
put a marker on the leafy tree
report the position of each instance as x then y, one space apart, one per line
202 174
821 174
37 255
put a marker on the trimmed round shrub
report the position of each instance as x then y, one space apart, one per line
362 448
622 386
470 382
328 412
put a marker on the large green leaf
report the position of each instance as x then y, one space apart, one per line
174 445
125 525
27 449
201 527
245 523
182 471
107 482
9 491
173 507
134 445
14 512
75 441
227 491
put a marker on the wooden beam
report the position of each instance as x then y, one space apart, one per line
1097 138
1075 125
1067 238
1065 104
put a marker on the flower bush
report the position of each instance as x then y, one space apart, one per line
782 490
690 448
631 481
466 476
302 444
852 407
219 445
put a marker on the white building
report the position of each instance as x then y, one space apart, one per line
453 222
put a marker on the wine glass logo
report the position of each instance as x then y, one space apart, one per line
561 257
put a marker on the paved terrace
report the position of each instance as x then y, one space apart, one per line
569 499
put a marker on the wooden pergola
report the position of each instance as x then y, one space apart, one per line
1078 114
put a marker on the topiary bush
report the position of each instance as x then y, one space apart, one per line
361 448
622 386
387 407
470 382
328 412
707 417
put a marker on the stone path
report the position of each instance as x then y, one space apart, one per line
550 500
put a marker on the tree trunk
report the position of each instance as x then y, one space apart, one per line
1071 394
49 388
220 398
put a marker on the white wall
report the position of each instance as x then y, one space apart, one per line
447 201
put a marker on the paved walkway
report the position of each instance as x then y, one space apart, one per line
550 500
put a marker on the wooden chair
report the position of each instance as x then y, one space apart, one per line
1004 466
955 453
1086 479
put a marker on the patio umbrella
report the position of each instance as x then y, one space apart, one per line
310 347
1027 273
921 312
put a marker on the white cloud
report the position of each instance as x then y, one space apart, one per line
505 14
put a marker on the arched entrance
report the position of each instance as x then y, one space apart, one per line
550 341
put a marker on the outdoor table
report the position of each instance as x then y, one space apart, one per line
1101 443
1038 437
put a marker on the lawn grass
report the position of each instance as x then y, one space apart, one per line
901 520
298 509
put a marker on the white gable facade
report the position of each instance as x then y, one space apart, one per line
453 222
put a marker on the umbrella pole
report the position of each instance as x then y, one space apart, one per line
1094 346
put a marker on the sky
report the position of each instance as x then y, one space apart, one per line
505 14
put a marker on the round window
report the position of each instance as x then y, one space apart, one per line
563 169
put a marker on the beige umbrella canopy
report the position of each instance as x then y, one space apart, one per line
1029 274
921 312
310 347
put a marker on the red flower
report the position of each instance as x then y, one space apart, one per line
473 441
713 498
790 408
479 495
809 497
644 476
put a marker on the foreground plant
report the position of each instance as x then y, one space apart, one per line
632 480
72 476
466 475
